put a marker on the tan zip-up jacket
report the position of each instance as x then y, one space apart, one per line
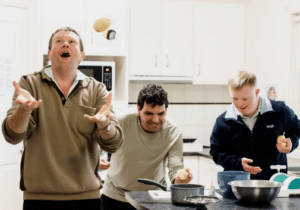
61 147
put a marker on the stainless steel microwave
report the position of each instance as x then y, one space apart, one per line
102 71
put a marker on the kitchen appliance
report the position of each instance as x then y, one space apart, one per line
255 191
291 183
102 71
178 191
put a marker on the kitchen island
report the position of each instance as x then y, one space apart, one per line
143 201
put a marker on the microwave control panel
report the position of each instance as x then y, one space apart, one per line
107 77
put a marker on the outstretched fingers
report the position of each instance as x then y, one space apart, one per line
106 107
17 87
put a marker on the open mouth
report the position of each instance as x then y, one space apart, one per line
65 55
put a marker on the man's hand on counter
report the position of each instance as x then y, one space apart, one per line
185 181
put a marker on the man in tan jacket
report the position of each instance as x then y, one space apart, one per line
61 116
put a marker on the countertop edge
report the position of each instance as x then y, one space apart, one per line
203 153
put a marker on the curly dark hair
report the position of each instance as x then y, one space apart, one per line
154 95
65 29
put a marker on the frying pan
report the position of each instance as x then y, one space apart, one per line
178 191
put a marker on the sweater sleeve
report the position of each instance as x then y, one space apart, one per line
108 145
292 126
220 151
9 135
175 157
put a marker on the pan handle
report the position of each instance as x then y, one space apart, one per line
151 182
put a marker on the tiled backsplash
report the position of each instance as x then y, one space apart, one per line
194 108
178 93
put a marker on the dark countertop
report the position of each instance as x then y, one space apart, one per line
143 201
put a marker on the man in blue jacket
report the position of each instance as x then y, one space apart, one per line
245 136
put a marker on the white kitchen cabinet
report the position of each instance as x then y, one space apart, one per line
116 11
205 172
81 15
57 14
192 162
219 40
14 56
177 41
160 37
145 37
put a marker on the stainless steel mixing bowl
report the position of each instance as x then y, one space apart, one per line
261 191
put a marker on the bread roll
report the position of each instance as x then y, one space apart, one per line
182 174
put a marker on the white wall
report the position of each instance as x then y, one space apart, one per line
269 38
268 42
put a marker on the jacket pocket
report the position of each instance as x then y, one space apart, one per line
84 125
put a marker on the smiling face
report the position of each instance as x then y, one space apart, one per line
65 50
246 99
152 118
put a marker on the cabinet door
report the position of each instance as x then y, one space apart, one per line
145 37
58 13
116 11
219 40
191 162
13 63
177 38
205 172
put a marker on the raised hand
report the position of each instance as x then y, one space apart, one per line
25 100
287 148
102 118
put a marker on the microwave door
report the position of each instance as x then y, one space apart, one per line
100 73
92 71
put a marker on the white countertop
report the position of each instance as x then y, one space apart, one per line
192 147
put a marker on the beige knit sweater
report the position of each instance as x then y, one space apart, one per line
143 155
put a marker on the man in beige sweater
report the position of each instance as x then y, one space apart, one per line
151 141
62 117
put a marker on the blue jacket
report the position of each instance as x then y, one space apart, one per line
231 140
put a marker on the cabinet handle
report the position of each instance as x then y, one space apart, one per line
198 69
155 61
167 61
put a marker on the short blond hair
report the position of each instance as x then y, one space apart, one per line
242 78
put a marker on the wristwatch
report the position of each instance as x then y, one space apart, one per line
107 128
